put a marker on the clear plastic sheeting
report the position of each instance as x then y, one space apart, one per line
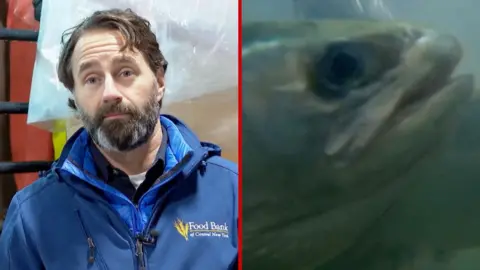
198 38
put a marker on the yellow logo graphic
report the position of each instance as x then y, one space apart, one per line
190 229
182 228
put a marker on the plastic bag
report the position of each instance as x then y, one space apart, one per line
198 38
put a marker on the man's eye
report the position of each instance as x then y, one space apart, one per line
126 73
91 80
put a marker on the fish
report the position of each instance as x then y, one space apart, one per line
335 114
434 224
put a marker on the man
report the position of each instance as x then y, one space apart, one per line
132 189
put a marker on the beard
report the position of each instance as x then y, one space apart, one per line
123 134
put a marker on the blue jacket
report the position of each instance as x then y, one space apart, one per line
69 219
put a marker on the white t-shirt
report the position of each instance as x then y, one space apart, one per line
137 179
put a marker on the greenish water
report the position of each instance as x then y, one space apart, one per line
432 223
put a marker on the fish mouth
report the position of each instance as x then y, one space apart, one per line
462 84
421 88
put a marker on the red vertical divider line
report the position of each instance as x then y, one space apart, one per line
240 197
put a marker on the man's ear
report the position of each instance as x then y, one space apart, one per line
72 104
160 84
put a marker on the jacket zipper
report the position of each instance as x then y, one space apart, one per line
140 239
140 255
91 245
145 236
131 239
91 248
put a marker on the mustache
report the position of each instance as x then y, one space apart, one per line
118 108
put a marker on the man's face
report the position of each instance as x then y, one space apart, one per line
116 93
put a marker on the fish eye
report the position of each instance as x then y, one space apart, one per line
343 67
337 70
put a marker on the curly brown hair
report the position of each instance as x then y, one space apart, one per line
135 30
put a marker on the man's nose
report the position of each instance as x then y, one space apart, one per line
110 92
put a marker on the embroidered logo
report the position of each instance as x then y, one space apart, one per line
182 228
206 229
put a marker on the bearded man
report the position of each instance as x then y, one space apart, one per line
133 189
